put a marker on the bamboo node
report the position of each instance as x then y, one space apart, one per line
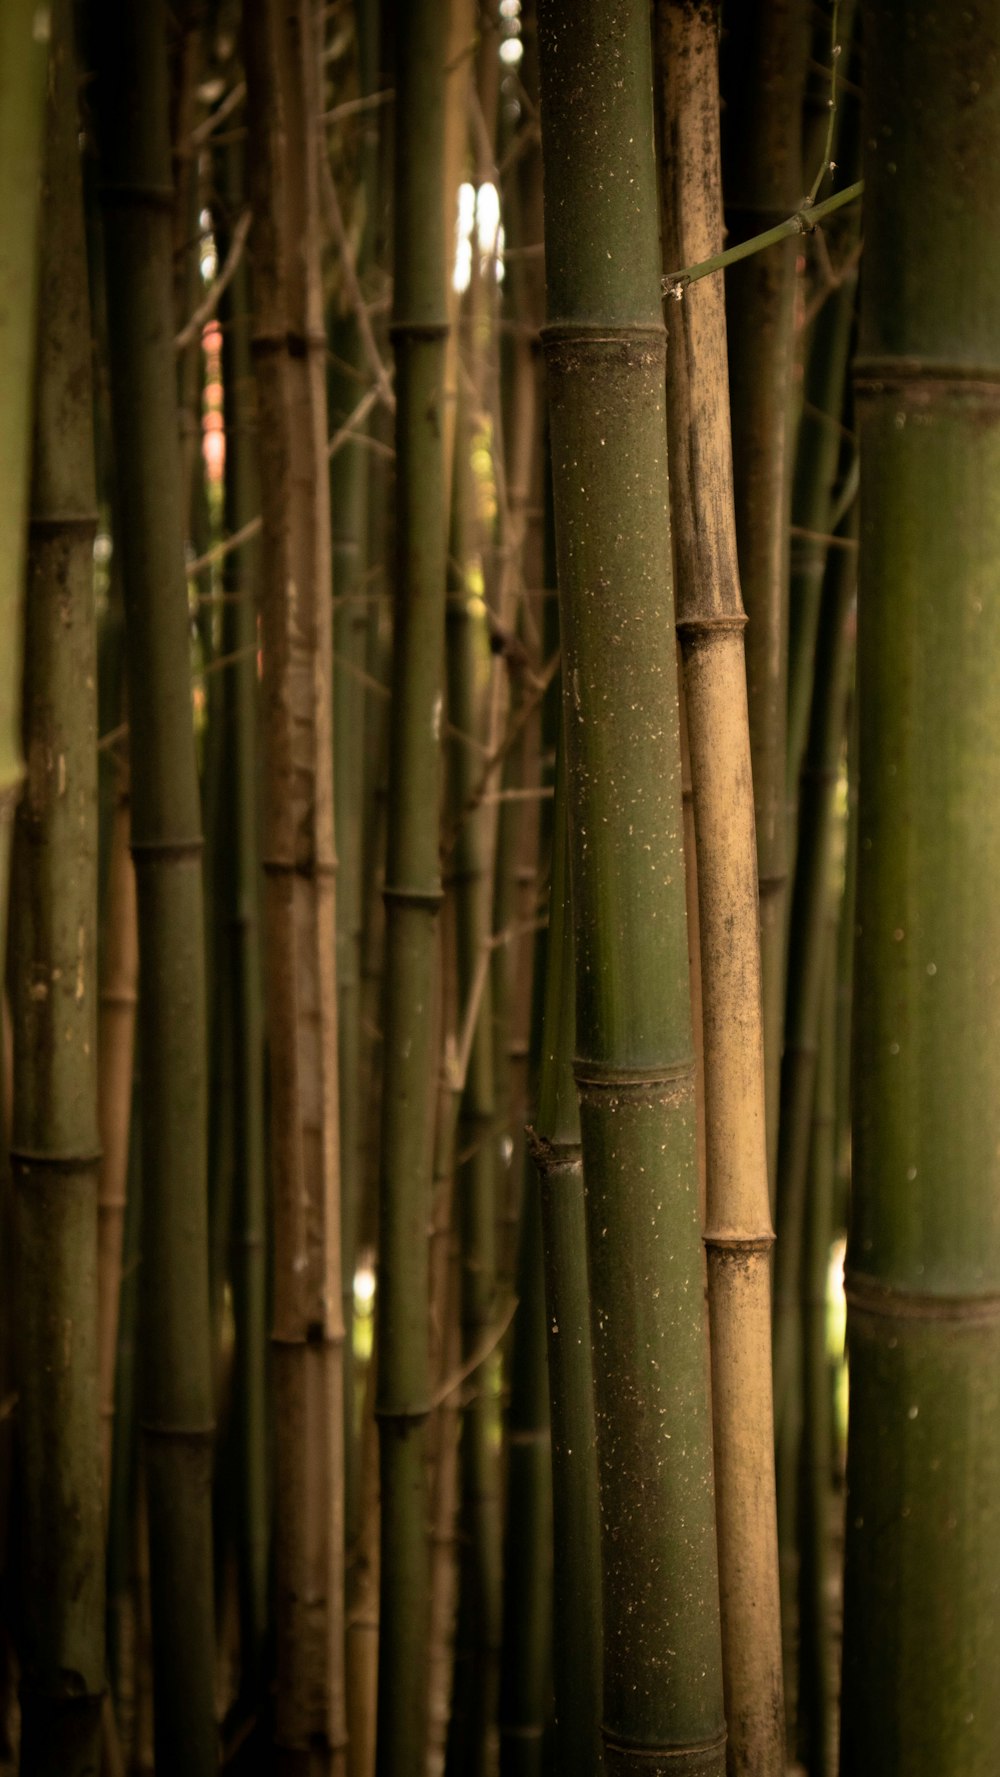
187 1434
54 1160
736 1246
865 1296
57 522
623 1755
413 897
597 1076
696 626
401 331
156 850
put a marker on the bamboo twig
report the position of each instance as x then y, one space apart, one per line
801 221
210 301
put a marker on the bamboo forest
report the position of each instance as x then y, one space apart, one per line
500 1021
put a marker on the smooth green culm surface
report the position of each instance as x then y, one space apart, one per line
604 345
412 887
53 991
922 1625
176 1407
24 53
576 1523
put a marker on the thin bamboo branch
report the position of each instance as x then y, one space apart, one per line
803 221
213 295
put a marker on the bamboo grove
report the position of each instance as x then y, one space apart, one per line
499 757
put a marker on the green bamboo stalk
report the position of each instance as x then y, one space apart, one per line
604 348
763 182
527 1604
555 1143
123 1486
281 54
166 845
738 1235
820 430
24 53
240 851
923 1274
54 1147
806 949
813 888
817 457
412 884
815 1663
471 880
348 506
115 1064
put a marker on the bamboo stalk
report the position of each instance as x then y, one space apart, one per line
412 885
738 1235
923 1270
281 56
166 846
24 54
555 1143
527 1616
815 1699
763 182
604 347
54 1007
240 853
116 1055
471 880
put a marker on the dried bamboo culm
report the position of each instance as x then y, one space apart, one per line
710 623
281 52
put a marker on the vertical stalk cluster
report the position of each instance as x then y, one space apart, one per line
604 346
923 1275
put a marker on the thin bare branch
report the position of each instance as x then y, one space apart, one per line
210 301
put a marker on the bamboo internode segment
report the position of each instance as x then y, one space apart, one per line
605 351
922 1558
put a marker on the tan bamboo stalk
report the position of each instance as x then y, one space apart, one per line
299 918
710 623
116 1054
